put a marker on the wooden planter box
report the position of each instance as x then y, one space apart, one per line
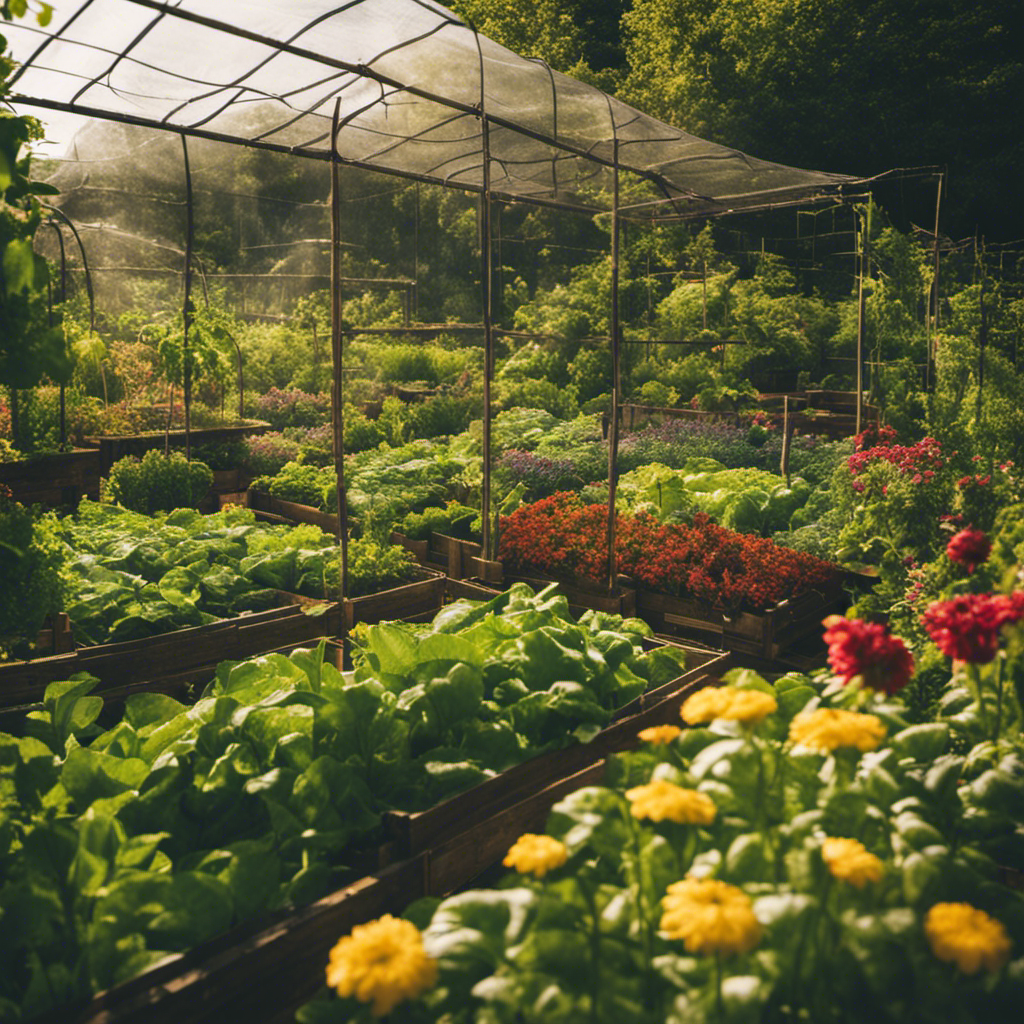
424 595
112 447
190 651
263 971
453 555
419 549
292 511
764 635
61 479
465 813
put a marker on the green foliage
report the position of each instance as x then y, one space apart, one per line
157 483
127 843
539 394
588 938
373 567
33 565
747 500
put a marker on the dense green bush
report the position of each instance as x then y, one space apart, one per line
157 482
33 563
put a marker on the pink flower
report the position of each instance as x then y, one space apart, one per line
858 486
868 650
969 548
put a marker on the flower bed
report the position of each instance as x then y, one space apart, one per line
717 870
760 597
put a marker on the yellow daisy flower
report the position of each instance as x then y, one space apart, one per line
850 861
660 800
967 937
827 729
659 734
382 962
745 706
536 855
710 916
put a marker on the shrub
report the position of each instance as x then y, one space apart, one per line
157 482
267 454
33 562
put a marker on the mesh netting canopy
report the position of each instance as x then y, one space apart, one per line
416 91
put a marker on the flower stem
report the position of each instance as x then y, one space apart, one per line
719 1008
999 697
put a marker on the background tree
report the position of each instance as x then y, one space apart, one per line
857 88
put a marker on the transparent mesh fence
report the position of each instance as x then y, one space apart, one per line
408 80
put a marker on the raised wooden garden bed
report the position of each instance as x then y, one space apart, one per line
259 501
423 595
112 447
262 972
61 479
764 635
419 549
464 812
183 651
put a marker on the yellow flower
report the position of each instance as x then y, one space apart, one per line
967 937
827 729
850 861
661 799
659 734
746 706
382 962
536 855
710 916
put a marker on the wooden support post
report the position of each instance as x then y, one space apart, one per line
787 434
934 319
186 361
861 313
613 427
486 271
337 353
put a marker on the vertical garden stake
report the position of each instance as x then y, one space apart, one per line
787 434
613 427
63 298
486 273
337 414
865 233
186 364
935 290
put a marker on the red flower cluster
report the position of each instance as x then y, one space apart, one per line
969 548
974 481
871 436
706 561
868 650
921 459
967 627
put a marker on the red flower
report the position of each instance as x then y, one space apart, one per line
969 548
967 627
868 650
